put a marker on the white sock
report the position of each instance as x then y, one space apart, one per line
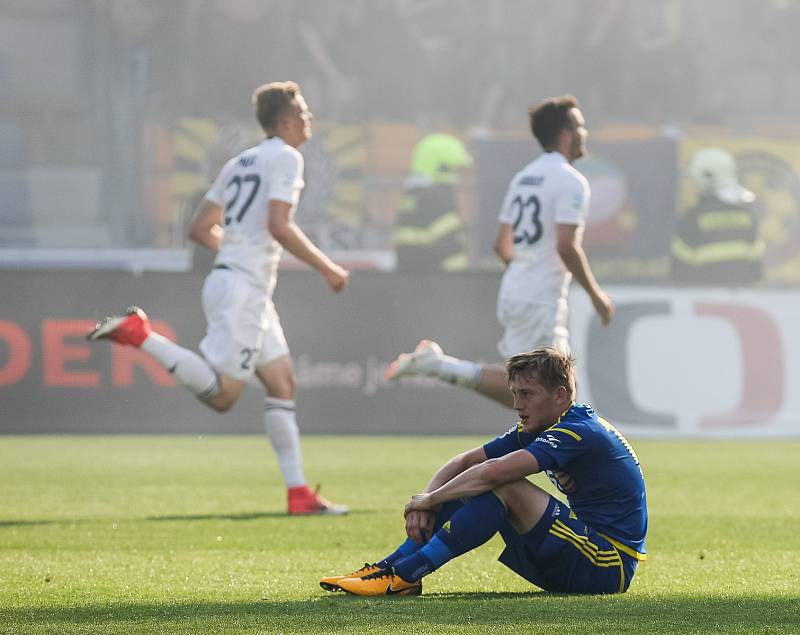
188 367
283 433
460 372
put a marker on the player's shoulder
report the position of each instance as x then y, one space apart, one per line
287 157
578 422
584 421
557 170
571 175
280 148
517 434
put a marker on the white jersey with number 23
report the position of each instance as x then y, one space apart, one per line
545 193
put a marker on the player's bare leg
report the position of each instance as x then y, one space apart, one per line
428 359
230 390
526 503
493 384
280 424
190 369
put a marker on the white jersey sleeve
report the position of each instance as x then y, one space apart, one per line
571 203
215 193
285 176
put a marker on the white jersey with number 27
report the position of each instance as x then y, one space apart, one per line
545 193
269 171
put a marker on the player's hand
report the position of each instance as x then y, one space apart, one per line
604 306
419 502
419 525
337 277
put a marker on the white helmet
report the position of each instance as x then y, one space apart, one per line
714 170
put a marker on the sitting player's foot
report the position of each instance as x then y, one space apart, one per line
382 582
304 500
331 583
130 329
425 360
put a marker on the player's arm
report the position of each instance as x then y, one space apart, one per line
574 257
456 466
480 478
205 227
419 523
294 240
504 242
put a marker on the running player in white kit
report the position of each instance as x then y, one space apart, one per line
539 239
247 217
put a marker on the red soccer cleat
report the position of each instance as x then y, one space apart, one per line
304 500
130 329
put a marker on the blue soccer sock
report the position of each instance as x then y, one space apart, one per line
410 547
468 528
406 549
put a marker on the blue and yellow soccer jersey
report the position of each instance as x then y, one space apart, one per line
609 493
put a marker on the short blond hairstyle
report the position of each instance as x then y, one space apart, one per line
551 367
271 100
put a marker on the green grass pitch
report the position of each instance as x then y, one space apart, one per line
187 535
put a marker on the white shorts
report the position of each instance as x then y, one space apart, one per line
244 330
527 325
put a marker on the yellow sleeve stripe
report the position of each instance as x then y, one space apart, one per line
574 435
625 548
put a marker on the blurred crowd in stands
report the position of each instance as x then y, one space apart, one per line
84 82
472 62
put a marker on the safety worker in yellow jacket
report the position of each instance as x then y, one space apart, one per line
429 233
717 241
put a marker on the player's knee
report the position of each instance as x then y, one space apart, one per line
519 491
220 407
289 385
282 387
222 401
508 492
278 378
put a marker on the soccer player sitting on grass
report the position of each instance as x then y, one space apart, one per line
591 546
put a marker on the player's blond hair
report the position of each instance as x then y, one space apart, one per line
271 100
551 367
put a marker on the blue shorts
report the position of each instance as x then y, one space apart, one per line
562 554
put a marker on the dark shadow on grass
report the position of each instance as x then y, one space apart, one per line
494 595
480 611
33 523
29 522
244 516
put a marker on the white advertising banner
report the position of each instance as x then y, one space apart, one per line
692 362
